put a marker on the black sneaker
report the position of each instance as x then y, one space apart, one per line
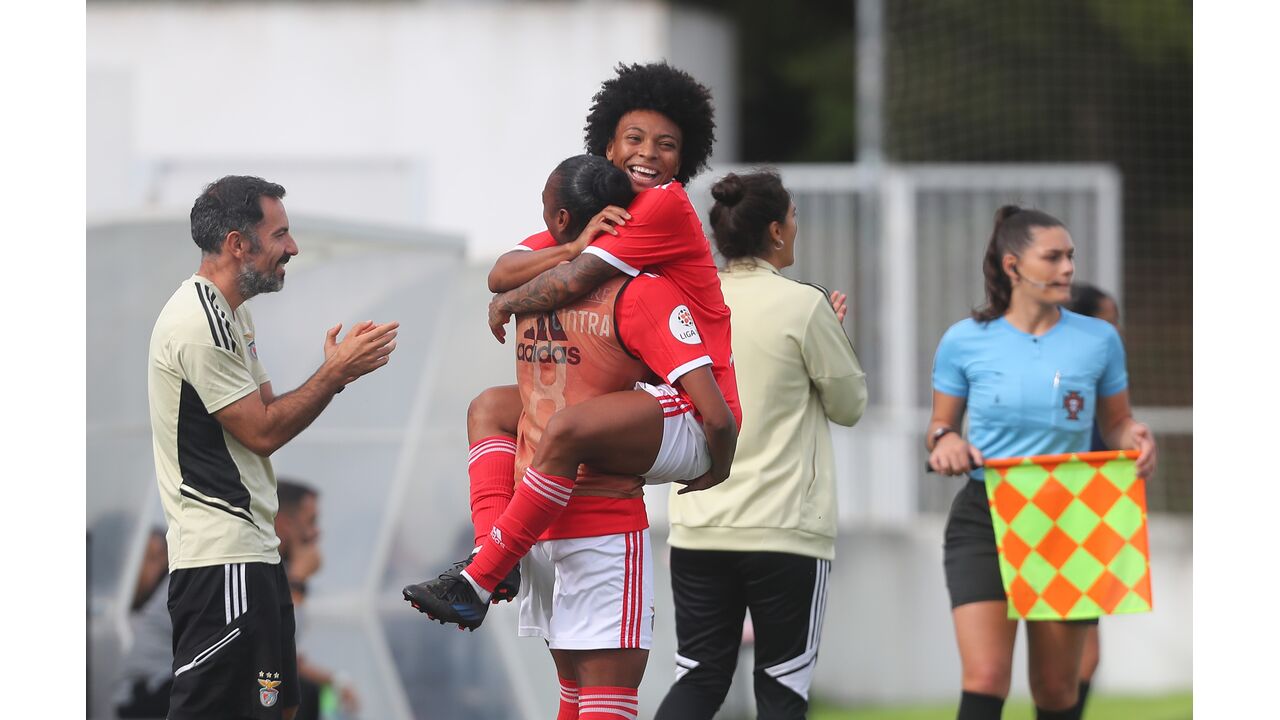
449 599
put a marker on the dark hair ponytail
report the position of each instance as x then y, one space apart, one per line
745 206
1010 236
585 185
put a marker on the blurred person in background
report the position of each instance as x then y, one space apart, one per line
1093 302
215 421
1090 300
655 123
298 527
155 566
764 540
147 667
991 364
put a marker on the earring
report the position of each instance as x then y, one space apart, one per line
777 244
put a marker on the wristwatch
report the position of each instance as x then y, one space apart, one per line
937 435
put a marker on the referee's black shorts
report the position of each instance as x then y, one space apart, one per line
233 642
969 550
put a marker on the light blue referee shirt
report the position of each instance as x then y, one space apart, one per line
1029 395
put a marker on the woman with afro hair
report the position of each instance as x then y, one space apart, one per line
655 123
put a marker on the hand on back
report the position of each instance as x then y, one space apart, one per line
605 221
706 481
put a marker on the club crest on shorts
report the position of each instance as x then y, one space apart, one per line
1074 403
268 695
682 327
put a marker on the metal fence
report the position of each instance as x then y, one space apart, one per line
906 243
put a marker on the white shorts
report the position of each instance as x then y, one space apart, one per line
591 593
684 454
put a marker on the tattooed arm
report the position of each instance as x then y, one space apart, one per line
554 288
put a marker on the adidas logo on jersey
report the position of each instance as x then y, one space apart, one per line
555 354
545 331
548 330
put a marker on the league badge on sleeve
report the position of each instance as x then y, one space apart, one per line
682 326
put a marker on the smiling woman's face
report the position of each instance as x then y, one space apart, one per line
646 145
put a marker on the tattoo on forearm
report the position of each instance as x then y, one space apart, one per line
559 286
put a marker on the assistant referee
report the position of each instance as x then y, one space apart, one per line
214 423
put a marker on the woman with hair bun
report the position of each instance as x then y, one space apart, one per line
764 540
1011 366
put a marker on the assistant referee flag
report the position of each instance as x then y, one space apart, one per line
1071 531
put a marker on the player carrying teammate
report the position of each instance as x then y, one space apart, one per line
589 578
655 123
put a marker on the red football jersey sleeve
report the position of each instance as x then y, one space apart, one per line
664 235
537 241
655 324
658 233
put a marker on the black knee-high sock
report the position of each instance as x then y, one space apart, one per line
1084 693
976 706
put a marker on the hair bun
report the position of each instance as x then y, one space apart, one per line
1005 212
728 191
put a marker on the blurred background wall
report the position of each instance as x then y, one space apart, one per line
426 114
414 139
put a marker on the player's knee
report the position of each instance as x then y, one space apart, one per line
1054 690
988 677
488 413
564 436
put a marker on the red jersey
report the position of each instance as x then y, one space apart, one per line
604 342
536 241
664 236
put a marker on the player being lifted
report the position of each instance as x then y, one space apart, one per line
589 579
655 123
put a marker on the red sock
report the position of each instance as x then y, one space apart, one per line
492 469
608 703
568 700
539 499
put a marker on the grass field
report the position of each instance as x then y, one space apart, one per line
1163 707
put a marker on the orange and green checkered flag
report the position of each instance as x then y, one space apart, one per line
1072 534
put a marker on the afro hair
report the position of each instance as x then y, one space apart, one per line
662 88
